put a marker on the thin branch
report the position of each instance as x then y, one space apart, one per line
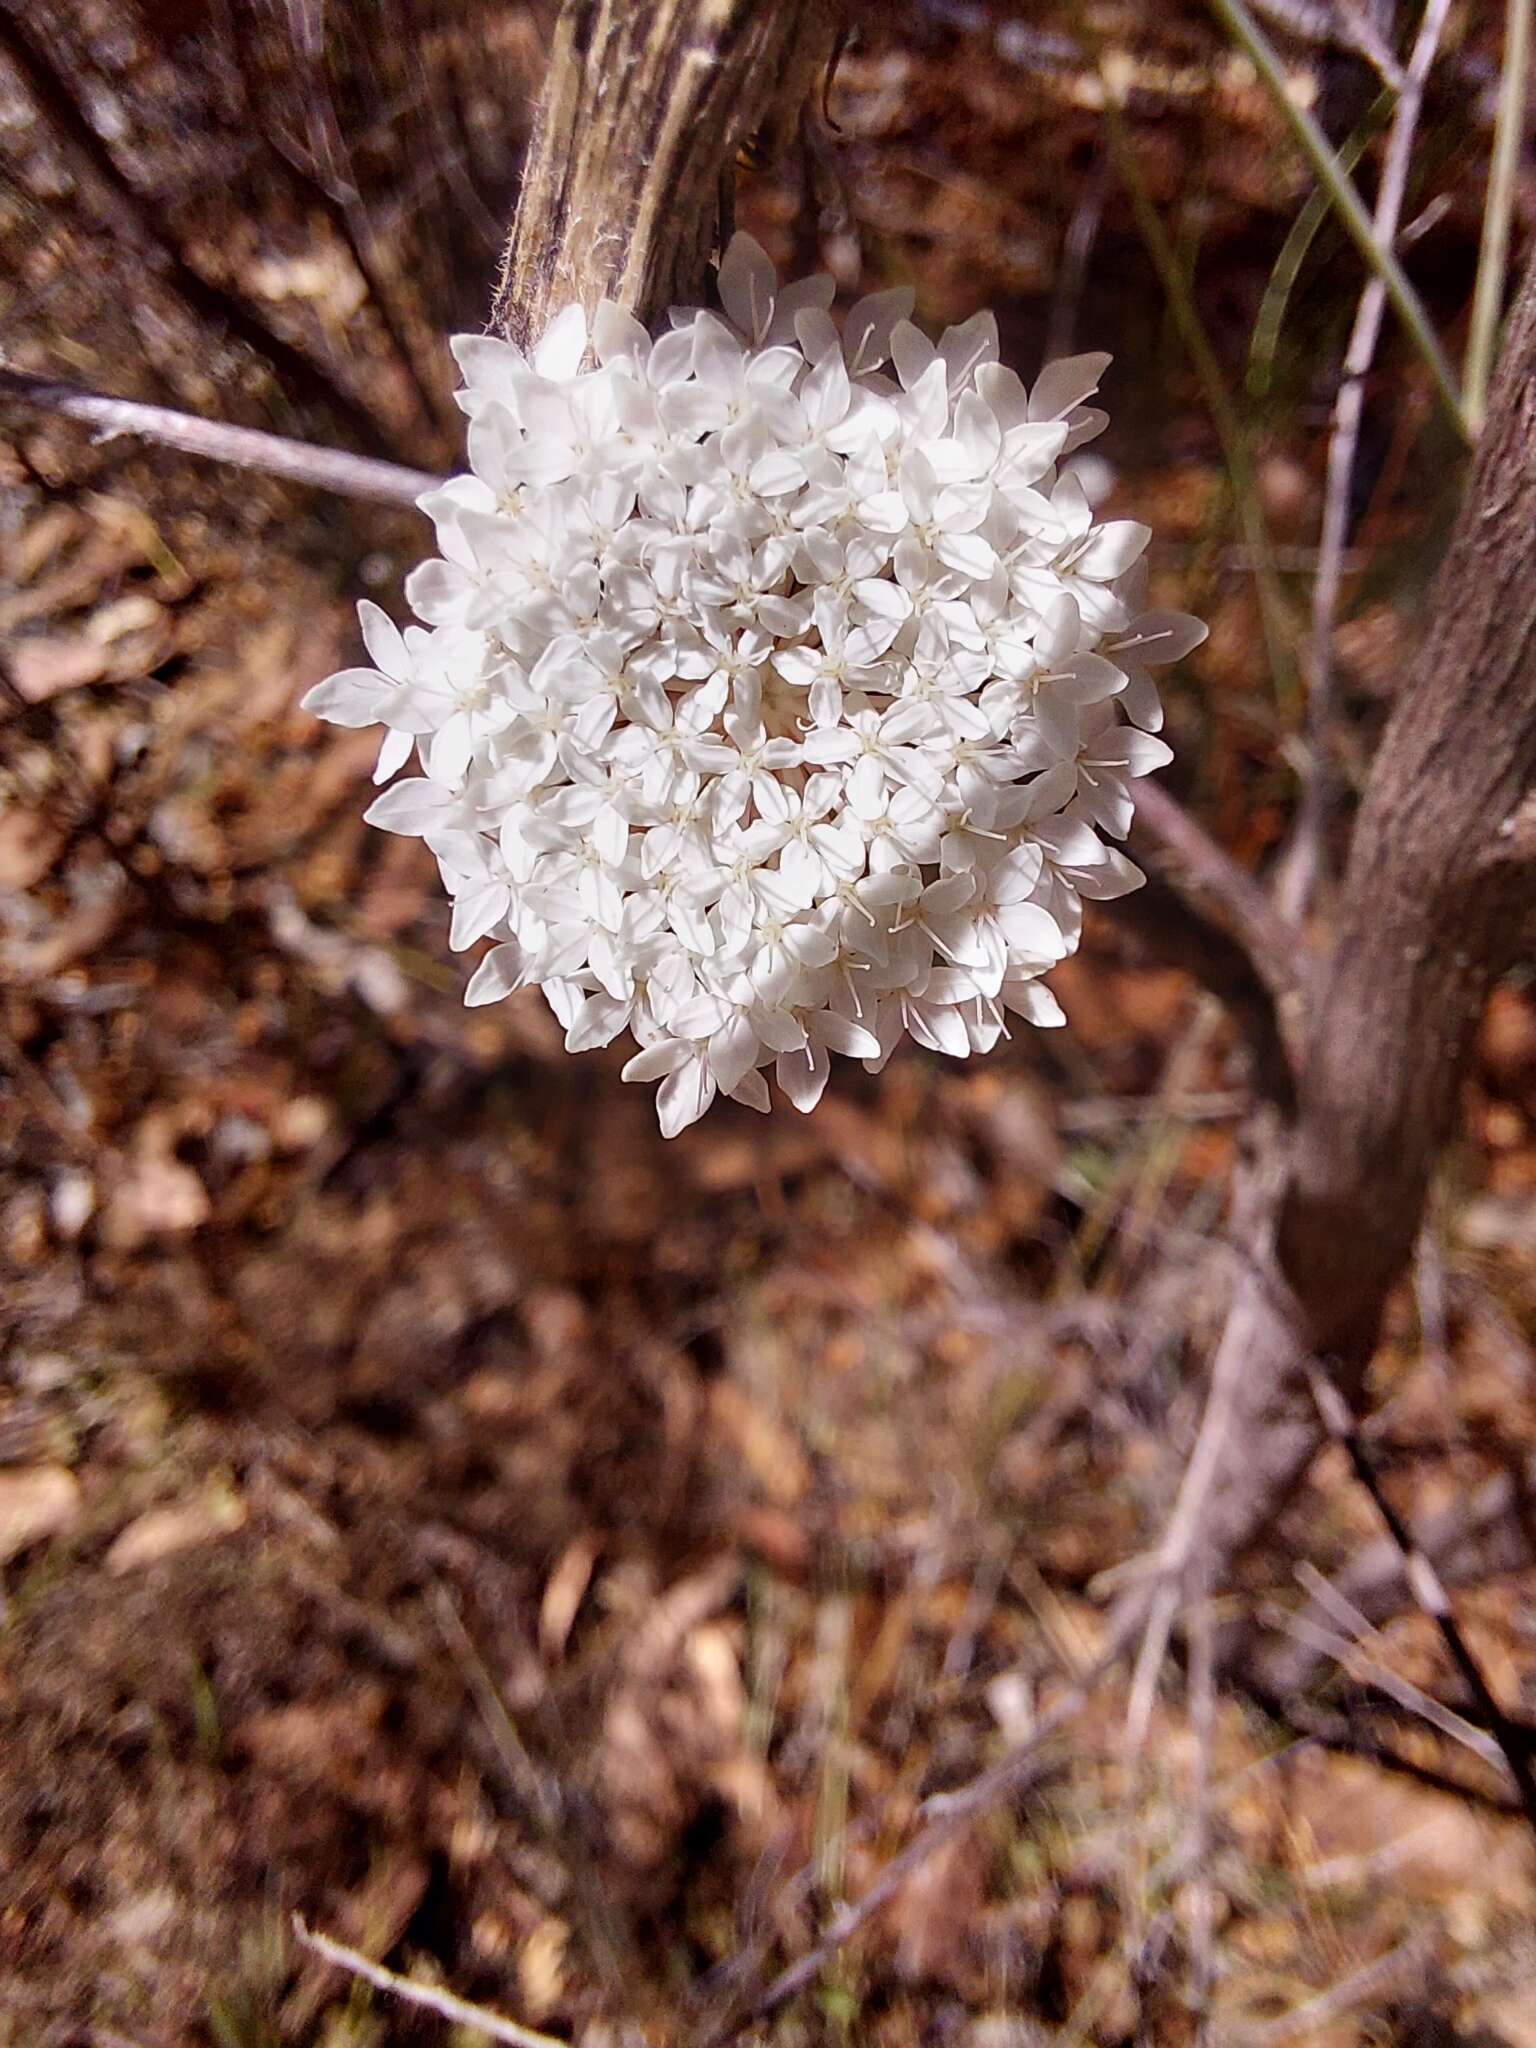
325 469
1240 24
1167 921
1485 1534
1348 1647
1303 867
37 58
457 2010
1202 1725
1493 256
1272 942
1428 1591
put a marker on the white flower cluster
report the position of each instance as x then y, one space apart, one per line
770 703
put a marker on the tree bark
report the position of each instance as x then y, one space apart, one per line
646 107
1435 906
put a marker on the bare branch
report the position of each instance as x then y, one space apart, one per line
1347 27
950 1816
325 469
1397 1966
1194 862
300 375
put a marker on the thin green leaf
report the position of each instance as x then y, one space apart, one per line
1406 303
1493 256
1293 253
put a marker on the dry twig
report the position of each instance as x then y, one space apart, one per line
1210 875
1395 1967
324 469
1429 1593
425 1996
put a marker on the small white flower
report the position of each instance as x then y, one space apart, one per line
770 702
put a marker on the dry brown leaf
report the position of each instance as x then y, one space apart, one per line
47 664
29 844
162 1532
158 1195
36 1502
564 1593
766 1447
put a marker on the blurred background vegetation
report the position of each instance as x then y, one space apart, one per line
562 1564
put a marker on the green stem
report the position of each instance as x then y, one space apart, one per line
1493 256
1273 614
1265 343
1405 301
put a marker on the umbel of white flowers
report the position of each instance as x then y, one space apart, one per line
769 702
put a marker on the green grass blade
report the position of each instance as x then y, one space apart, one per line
1293 253
1405 301
1493 256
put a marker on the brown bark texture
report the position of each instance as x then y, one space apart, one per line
628 174
1436 905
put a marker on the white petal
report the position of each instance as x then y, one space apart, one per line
803 1075
1156 637
664 1057
840 1034
1113 548
1065 384
499 973
352 697
394 752
617 335
410 807
867 330
751 1089
381 636
598 1022
683 1097
475 911
733 1052
559 351
748 283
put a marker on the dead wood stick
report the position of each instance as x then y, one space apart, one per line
1428 1591
326 469
1485 1535
37 58
1306 2022
948 1817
